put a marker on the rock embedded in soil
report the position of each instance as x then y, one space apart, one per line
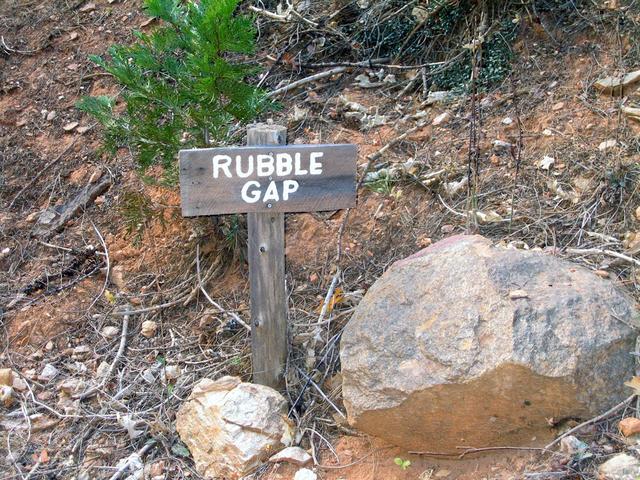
620 467
110 331
571 445
441 119
6 395
617 85
149 328
172 372
294 455
305 474
231 427
68 127
437 355
633 113
49 372
629 426
607 145
6 376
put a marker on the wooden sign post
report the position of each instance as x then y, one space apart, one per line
266 179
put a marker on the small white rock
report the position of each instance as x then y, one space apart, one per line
501 145
294 455
437 97
81 352
110 331
621 467
51 115
607 145
69 127
72 386
149 328
507 121
571 445
546 162
172 372
49 372
102 370
441 119
305 474
6 395
19 384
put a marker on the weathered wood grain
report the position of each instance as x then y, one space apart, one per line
269 338
202 194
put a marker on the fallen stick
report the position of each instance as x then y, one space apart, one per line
606 414
108 262
71 209
131 459
329 295
13 50
304 81
151 309
322 394
116 360
599 251
491 449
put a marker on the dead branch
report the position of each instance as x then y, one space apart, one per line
108 262
132 458
13 50
123 344
304 81
600 251
606 414
73 208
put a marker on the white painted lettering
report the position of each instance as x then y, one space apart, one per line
249 170
298 167
315 167
265 165
272 193
288 187
254 195
221 162
284 164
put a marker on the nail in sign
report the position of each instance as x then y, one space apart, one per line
287 178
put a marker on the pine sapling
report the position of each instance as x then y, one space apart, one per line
182 85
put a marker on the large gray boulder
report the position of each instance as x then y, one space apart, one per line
468 344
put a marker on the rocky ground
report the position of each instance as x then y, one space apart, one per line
84 236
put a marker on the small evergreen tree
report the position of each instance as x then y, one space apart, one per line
182 84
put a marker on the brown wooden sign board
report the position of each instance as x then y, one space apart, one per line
264 180
286 178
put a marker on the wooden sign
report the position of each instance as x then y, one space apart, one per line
288 178
265 179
